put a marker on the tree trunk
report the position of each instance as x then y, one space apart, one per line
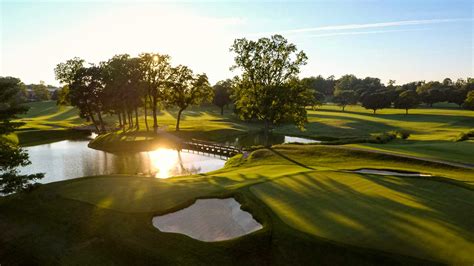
375 110
124 119
130 120
91 116
222 110
120 120
179 119
102 127
94 122
155 121
146 117
136 118
343 107
406 111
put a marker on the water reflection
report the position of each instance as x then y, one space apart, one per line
70 159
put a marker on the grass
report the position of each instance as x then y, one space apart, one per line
45 122
311 210
433 130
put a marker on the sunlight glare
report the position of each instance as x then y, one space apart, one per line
163 161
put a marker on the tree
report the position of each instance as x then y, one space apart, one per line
86 93
63 96
431 93
469 102
65 72
124 89
12 156
375 100
407 100
324 87
368 85
186 89
344 98
40 92
347 83
269 66
222 92
156 70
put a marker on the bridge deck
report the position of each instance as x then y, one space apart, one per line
210 147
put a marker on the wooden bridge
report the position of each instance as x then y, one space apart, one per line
210 148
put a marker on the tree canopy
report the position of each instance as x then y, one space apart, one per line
269 69
11 155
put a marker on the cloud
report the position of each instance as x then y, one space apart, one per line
360 32
369 25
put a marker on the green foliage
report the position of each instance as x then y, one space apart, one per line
375 100
383 137
267 89
407 100
222 92
344 98
469 102
322 87
431 92
186 89
11 156
403 134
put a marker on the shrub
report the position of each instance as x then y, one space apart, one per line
383 137
403 134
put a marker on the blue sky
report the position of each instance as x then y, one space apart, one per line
400 40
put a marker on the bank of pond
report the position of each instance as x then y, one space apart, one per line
69 159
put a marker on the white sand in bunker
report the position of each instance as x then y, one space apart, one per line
209 220
387 172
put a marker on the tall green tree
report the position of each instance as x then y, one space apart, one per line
186 89
40 92
431 93
268 67
65 72
408 99
375 100
11 155
222 92
156 70
344 98
87 94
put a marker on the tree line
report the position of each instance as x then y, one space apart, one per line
372 94
123 85
268 88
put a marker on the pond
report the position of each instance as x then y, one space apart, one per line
72 158
209 220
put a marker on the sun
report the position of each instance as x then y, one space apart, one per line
163 161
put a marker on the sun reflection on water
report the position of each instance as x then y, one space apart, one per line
163 162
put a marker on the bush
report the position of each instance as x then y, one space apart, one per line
383 138
403 134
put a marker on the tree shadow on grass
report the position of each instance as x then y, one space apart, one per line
388 213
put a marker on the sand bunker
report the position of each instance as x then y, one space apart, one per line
289 139
209 220
387 172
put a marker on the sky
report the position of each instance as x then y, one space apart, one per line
400 40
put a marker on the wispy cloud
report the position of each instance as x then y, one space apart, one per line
360 32
369 25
